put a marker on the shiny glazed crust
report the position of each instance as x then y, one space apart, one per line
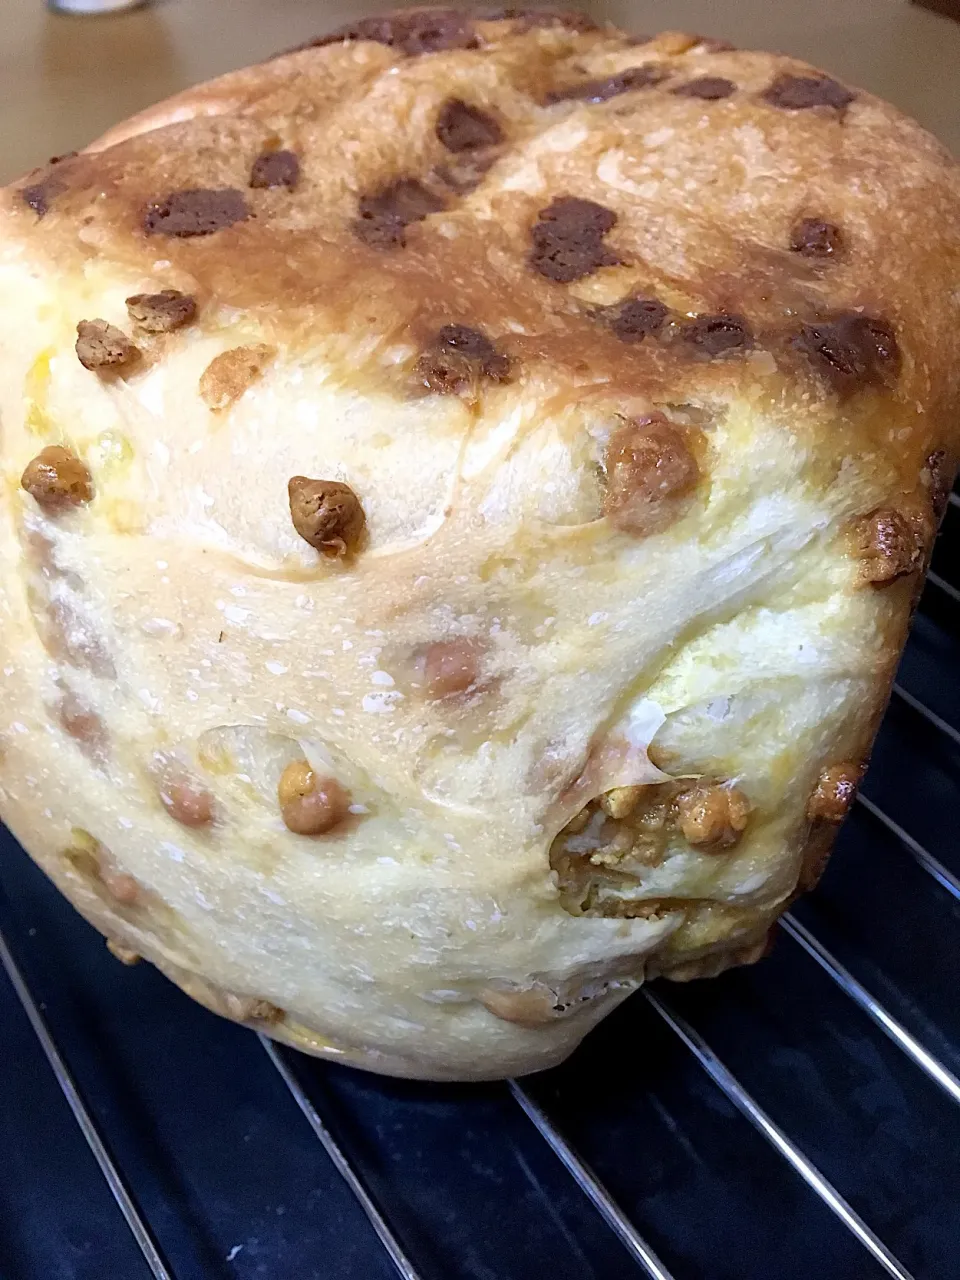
458 567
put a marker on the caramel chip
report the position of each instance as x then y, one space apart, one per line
161 312
834 793
327 514
650 473
450 667
102 346
187 802
310 805
233 372
712 817
57 479
888 545
197 211
275 169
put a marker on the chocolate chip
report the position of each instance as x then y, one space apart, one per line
103 346
161 312
529 19
710 88
714 335
797 93
423 31
57 479
458 358
465 173
40 194
326 513
816 239
462 127
851 350
568 239
385 215
610 87
634 319
195 212
275 169
632 42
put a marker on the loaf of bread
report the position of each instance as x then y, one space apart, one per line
467 483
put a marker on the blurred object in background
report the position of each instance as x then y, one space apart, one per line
949 8
93 6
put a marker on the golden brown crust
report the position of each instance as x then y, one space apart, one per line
733 240
631 371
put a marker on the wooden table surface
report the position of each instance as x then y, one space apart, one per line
63 80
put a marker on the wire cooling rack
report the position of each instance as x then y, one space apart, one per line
793 1119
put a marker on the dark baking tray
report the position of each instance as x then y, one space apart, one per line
796 1119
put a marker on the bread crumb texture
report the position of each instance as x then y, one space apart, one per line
467 480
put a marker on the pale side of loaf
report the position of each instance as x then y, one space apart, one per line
618 383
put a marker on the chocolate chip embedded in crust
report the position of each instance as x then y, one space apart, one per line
710 88
462 127
57 479
465 174
650 474
326 513
633 320
834 794
610 87
851 350
797 93
38 195
888 545
529 19
423 31
275 169
196 212
568 239
713 335
458 358
815 238
385 215
161 312
101 345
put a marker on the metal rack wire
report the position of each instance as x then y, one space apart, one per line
934 1061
